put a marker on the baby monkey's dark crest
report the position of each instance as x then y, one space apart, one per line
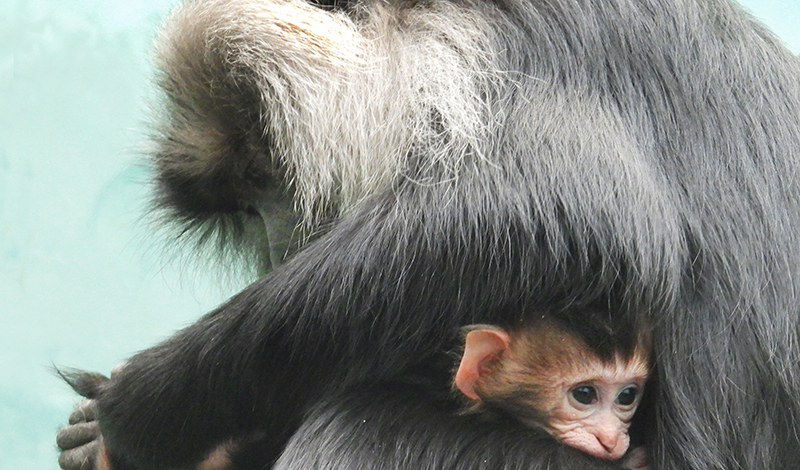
545 375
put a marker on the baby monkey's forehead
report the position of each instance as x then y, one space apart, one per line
618 371
551 348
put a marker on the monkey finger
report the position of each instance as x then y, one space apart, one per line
84 412
76 435
80 458
637 459
218 459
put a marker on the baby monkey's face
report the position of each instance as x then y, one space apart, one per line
591 409
552 380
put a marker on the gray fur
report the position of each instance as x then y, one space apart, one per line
345 103
466 161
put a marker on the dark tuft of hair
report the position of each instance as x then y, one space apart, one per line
85 384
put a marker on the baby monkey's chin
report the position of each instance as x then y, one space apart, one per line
602 448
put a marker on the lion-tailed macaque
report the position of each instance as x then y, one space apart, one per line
547 376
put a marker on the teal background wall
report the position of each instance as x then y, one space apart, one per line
83 280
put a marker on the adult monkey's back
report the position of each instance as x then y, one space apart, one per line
480 161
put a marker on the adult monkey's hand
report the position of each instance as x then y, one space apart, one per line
81 441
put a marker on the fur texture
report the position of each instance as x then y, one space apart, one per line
461 162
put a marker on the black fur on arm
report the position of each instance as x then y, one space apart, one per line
638 154
381 295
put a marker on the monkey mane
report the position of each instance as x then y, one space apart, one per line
308 112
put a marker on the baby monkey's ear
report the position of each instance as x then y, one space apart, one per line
483 347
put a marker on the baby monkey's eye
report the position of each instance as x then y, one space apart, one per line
585 395
627 397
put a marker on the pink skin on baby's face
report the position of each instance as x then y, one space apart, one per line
591 410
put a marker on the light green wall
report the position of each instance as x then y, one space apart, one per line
783 16
82 280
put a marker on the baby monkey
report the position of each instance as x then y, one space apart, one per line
548 377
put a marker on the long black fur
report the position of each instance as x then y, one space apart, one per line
395 425
642 154
85 384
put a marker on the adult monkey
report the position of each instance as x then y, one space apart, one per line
479 159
